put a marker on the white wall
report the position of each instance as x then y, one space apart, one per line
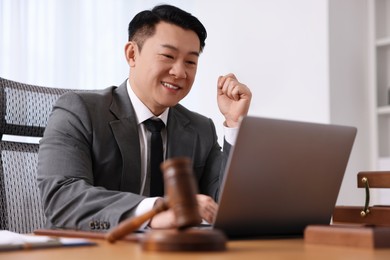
279 48
348 77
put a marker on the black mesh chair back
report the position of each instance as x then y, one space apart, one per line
24 111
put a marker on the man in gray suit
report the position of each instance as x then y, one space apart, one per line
94 158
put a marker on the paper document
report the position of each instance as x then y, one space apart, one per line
14 241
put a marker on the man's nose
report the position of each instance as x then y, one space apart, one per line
178 70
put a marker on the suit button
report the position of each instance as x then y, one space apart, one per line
92 224
97 224
105 225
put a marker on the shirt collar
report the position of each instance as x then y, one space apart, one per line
142 112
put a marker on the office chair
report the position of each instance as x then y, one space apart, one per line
24 111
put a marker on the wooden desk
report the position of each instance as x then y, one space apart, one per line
242 250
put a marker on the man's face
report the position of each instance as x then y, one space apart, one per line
163 72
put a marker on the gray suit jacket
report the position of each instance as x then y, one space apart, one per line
89 171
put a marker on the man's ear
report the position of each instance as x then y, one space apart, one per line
131 51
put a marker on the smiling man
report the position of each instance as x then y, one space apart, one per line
95 165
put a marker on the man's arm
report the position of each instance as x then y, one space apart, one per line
66 171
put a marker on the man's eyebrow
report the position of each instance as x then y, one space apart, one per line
176 49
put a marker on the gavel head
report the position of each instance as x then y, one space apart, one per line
180 191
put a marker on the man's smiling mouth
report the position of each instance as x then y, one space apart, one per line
170 86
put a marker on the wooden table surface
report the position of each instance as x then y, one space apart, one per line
240 249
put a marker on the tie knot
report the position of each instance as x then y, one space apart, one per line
154 126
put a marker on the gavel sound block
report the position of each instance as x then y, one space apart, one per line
180 194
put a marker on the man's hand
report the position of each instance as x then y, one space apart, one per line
207 209
165 219
233 99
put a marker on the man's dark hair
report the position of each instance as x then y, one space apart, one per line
144 23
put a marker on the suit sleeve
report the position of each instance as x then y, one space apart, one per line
65 173
213 172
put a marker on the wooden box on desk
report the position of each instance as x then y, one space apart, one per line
378 215
352 236
367 227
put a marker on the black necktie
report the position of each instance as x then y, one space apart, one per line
156 157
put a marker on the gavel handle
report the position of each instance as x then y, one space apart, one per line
130 225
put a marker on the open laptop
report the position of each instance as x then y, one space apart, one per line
282 176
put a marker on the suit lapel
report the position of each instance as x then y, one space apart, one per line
181 136
125 131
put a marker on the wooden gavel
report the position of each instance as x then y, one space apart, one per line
180 196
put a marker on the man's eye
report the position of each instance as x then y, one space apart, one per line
168 56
